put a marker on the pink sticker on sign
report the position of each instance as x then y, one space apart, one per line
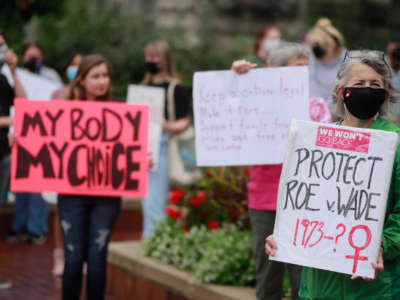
343 139
80 147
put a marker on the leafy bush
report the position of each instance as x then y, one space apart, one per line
219 197
222 256
121 37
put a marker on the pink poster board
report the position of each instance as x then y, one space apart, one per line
79 147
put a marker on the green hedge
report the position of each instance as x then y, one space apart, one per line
222 256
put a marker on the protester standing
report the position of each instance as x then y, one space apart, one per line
7 94
267 39
327 45
87 222
263 187
33 61
70 71
161 72
31 210
364 97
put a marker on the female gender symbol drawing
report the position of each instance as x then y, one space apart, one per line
356 255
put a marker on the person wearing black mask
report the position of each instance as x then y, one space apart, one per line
327 48
32 61
7 94
365 98
160 72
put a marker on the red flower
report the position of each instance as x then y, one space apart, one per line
208 174
247 172
212 225
175 196
201 196
185 229
173 213
198 199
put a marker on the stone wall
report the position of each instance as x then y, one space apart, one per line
230 19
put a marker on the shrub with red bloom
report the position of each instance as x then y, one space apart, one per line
247 172
208 174
212 225
174 214
201 196
198 199
175 196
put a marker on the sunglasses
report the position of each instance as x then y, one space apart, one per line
359 53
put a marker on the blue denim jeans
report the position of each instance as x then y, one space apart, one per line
87 224
4 177
153 206
30 214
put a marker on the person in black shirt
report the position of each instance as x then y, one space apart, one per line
161 72
7 94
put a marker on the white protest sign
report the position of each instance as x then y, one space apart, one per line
332 197
245 119
36 87
155 97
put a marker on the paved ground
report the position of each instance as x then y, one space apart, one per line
29 266
29 269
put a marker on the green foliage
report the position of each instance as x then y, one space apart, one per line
121 37
219 197
226 259
358 21
14 15
93 28
220 257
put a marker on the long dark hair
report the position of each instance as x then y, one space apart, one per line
77 91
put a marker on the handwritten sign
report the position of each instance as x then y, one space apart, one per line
155 97
79 147
245 119
332 197
36 87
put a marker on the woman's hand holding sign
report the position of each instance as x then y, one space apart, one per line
378 267
242 66
270 245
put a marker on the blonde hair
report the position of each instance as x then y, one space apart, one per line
167 64
327 35
77 91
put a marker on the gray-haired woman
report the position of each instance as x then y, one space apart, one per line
364 96
263 186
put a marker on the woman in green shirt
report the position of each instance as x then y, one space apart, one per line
364 96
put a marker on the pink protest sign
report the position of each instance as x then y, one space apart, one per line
80 147
337 138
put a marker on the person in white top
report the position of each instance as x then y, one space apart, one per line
32 60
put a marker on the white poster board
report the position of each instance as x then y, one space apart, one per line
36 87
332 197
245 119
155 97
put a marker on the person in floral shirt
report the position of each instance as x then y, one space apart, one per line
263 186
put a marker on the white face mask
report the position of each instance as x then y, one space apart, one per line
271 44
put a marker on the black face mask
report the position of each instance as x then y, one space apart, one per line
365 102
34 65
152 67
318 51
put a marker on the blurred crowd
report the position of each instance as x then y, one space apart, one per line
83 225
